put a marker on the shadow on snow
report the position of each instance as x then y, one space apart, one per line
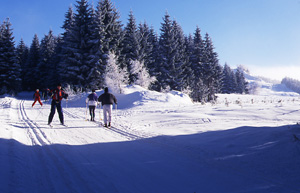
245 159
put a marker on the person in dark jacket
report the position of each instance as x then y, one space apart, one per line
107 100
57 95
91 100
37 97
46 93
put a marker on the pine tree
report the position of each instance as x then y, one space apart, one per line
22 56
181 60
65 51
233 82
227 80
55 74
189 73
211 71
167 47
97 67
200 90
45 67
131 45
77 47
219 78
1 30
113 29
197 54
151 55
69 22
241 82
31 77
230 81
147 44
3 66
10 69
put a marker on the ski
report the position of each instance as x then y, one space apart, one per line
107 126
90 120
97 122
51 126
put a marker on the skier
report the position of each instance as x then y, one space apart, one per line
107 100
46 94
57 95
37 97
91 100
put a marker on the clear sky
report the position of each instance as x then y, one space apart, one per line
263 35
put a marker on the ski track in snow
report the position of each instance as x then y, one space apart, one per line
125 132
55 166
36 135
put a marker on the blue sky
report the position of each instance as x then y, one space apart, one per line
263 35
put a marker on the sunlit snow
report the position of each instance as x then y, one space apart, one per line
159 142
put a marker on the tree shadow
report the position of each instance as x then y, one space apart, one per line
244 159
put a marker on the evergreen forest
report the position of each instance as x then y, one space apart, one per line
96 50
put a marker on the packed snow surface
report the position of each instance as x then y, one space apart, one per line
159 143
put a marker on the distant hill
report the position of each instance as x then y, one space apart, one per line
263 86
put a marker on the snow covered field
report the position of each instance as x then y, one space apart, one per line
160 143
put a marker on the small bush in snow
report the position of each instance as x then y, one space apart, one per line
114 76
141 74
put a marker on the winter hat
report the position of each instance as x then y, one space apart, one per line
106 89
93 90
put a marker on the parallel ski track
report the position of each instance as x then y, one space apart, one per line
37 136
128 135
51 156
75 116
125 132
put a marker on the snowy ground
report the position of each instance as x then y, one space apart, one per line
160 143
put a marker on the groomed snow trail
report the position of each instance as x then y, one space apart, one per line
44 167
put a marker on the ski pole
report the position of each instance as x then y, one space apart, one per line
100 112
39 113
86 111
116 112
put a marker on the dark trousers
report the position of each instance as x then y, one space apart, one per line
92 112
57 105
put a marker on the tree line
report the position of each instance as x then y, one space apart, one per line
292 84
96 50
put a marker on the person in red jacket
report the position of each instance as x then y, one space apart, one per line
37 97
